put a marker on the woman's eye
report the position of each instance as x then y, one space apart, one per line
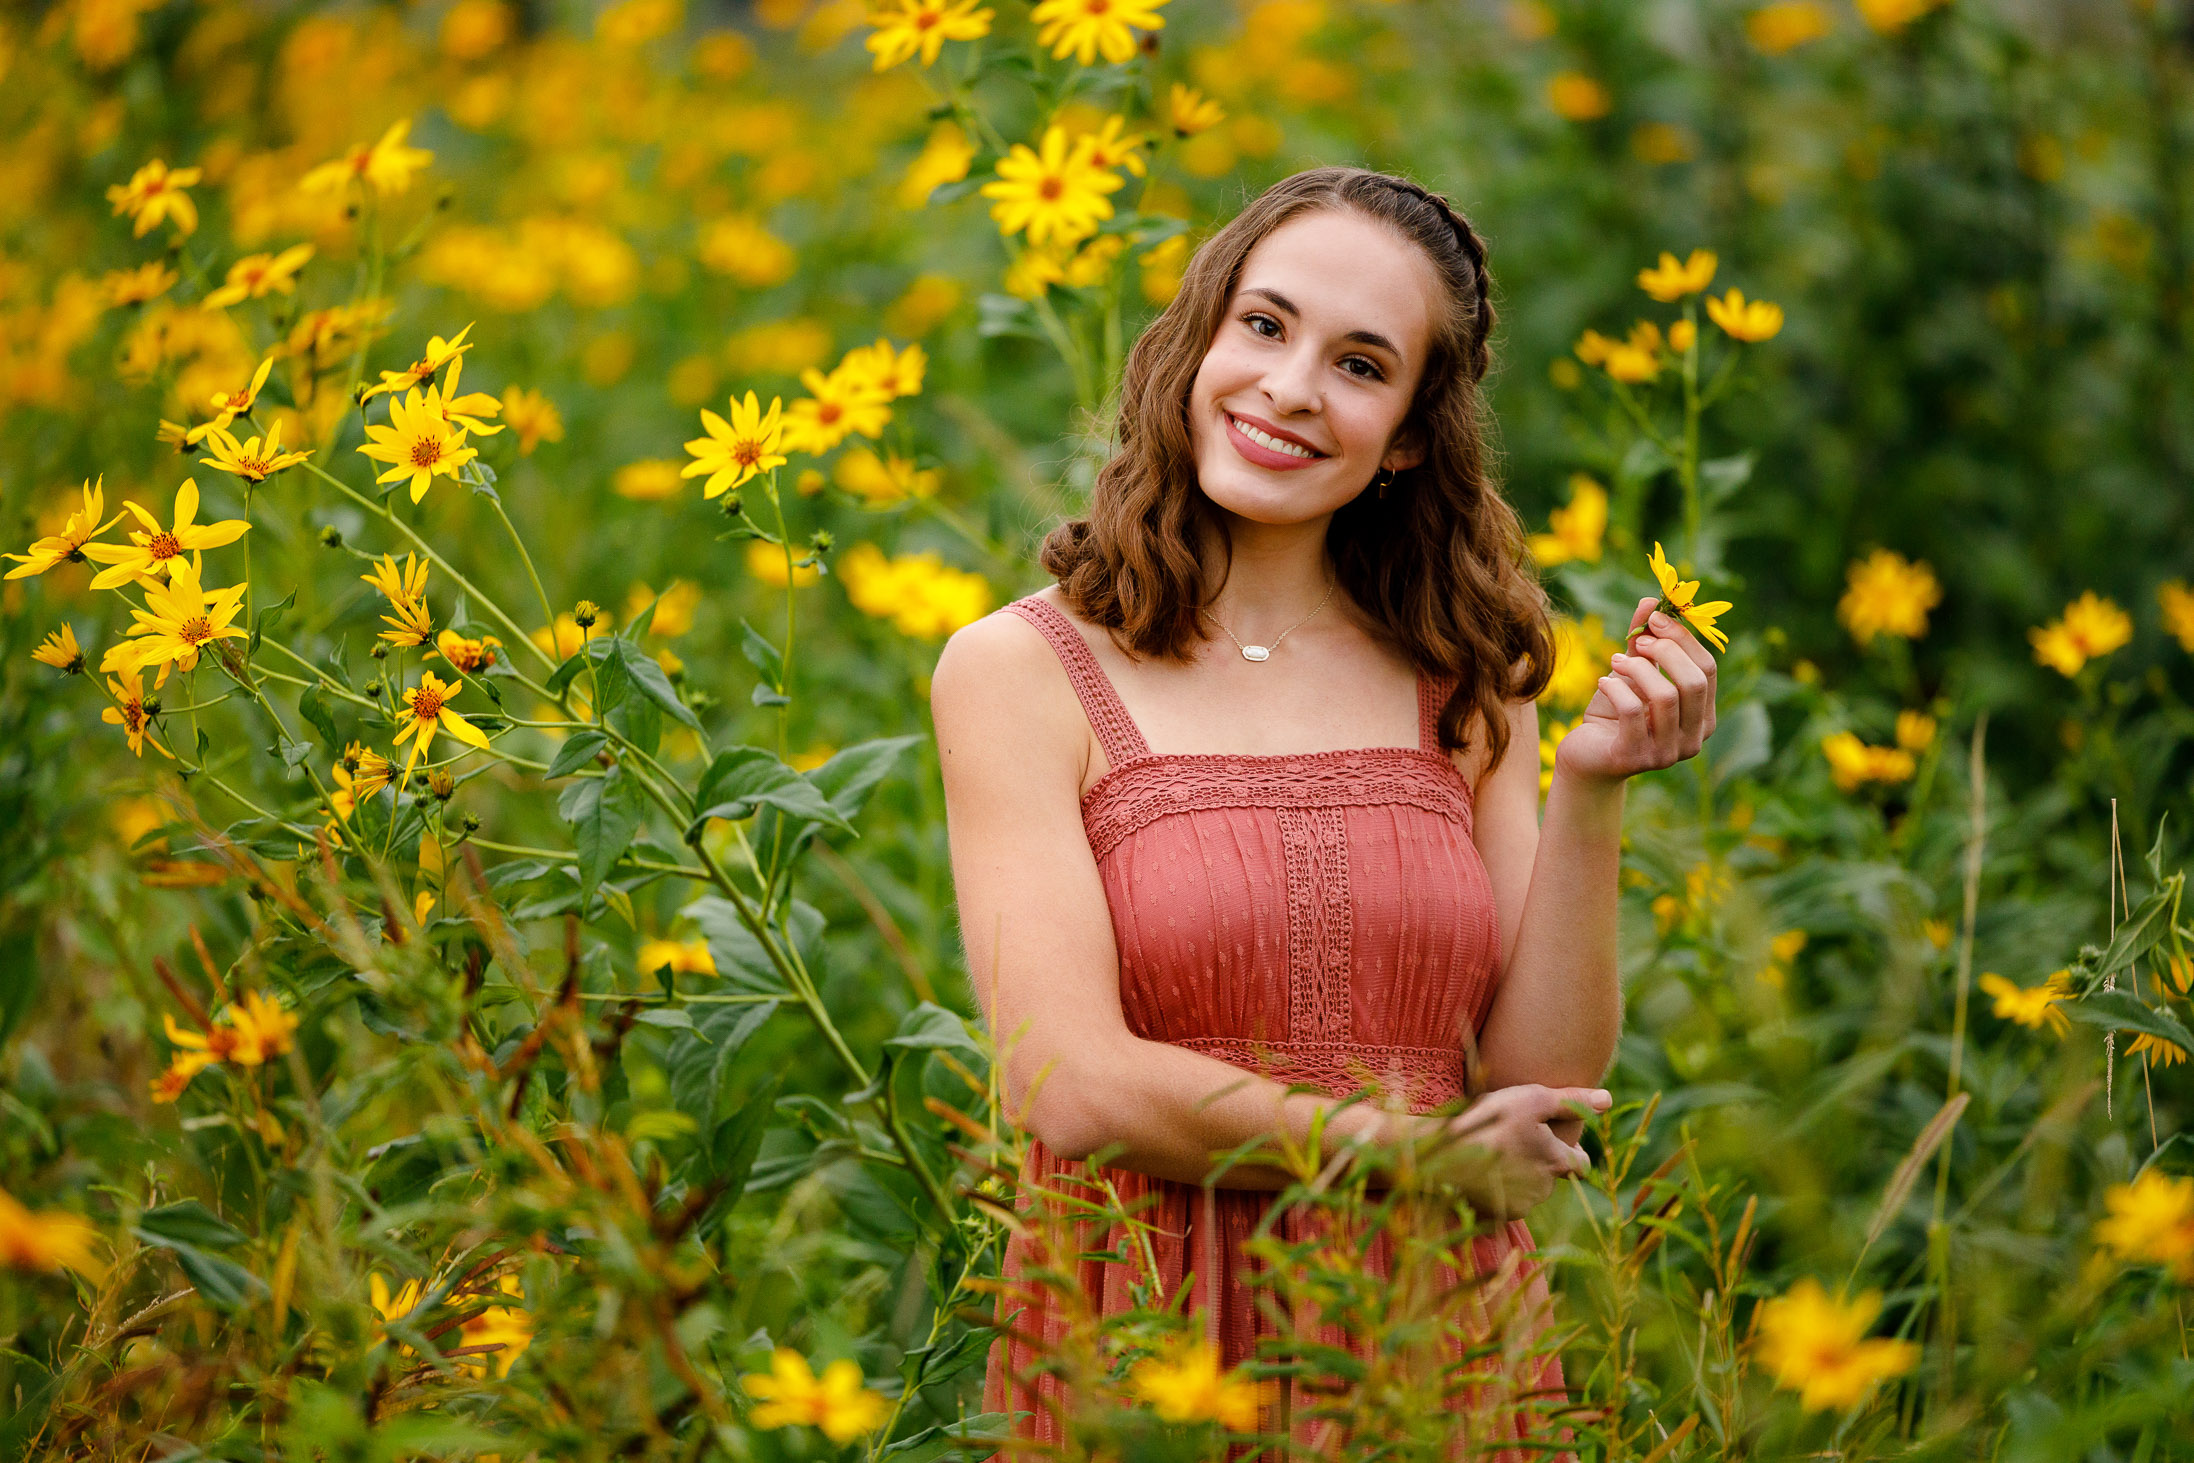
1375 374
1267 319
1256 320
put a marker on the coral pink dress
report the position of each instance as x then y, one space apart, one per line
1317 918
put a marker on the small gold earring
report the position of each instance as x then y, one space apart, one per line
1386 475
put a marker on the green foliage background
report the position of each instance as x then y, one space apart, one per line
1977 223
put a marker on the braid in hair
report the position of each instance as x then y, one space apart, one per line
1474 250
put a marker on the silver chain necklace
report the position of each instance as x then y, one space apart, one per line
1264 652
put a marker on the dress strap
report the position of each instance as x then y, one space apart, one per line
1432 694
1116 730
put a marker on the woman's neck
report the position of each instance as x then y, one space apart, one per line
1279 574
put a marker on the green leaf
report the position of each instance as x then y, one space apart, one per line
271 615
744 778
676 1018
738 955
848 778
563 674
704 1065
190 1223
313 706
225 1285
765 694
762 654
578 751
1722 476
930 1026
2140 932
648 675
2122 1010
604 813
19 980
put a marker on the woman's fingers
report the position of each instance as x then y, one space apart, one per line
1692 689
1664 711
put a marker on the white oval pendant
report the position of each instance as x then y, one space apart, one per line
1256 652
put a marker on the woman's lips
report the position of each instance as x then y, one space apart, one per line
1260 454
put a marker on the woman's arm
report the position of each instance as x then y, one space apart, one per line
1559 1008
1012 743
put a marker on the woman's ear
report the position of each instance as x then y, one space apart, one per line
1407 449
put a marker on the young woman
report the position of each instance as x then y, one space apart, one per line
1249 797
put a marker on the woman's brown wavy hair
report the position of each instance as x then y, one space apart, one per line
1440 562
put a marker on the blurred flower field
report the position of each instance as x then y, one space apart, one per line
484 484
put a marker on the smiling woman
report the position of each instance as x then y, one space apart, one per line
1333 879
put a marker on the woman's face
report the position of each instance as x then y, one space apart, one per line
1321 346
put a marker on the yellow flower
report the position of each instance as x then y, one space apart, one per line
1594 348
1786 25
1818 1346
1755 321
564 640
252 276
1630 364
262 1029
359 774
838 404
466 410
506 1326
471 656
2178 607
1189 1387
683 957
1086 27
1108 148
128 713
229 405
426 711
673 608
1189 112
1669 281
252 461
1577 529
838 1402
1886 594
943 159
735 451
1890 16
155 192
386 165
1682 336
2151 1221
2090 628
1680 598
2161 1053
766 562
149 554
648 480
1938 932
396 1306
1053 193
439 353
1577 97
896 373
148 281
883 481
421 442
67 546
919 593
406 591
533 417
2034 1006
181 618
1915 731
1581 653
922 27
1851 761
48 1240
60 651
1550 743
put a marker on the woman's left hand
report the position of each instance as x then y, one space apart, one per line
1653 709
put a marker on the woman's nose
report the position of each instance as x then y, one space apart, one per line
1291 385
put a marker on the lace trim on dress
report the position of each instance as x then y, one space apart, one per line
1135 794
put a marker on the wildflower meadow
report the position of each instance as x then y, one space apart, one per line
484 483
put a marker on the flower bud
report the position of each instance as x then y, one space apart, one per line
470 822
380 650
585 613
331 537
821 540
731 505
152 707
442 785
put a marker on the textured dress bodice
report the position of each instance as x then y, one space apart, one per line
1320 918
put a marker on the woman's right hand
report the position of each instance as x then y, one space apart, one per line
1503 1151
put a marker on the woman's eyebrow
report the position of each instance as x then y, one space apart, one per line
1367 337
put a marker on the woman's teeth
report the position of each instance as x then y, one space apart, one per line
1266 439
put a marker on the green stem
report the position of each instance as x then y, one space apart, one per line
548 615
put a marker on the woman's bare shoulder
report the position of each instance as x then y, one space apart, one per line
998 685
